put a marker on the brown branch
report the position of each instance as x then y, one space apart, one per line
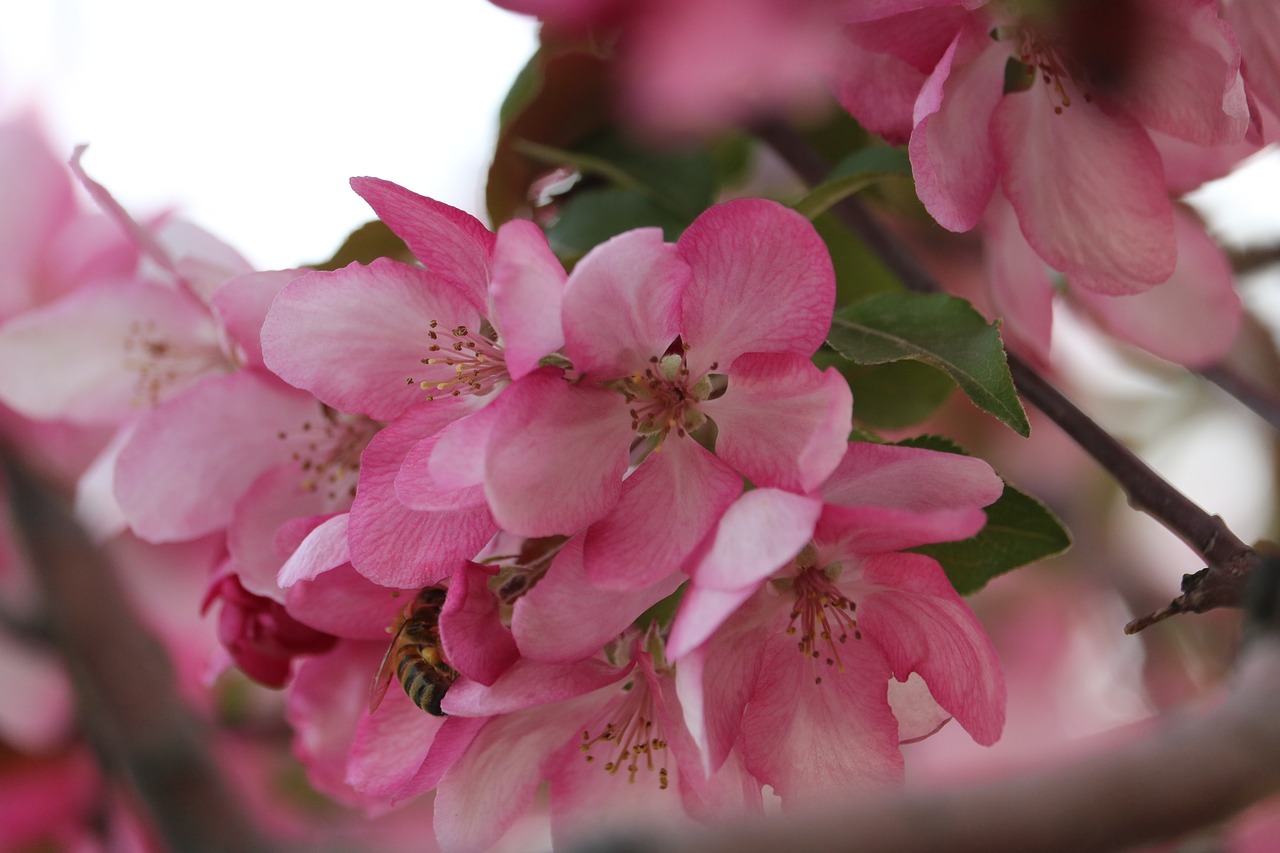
1257 399
127 699
1230 561
1197 767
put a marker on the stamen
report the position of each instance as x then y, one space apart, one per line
331 459
477 361
822 617
634 735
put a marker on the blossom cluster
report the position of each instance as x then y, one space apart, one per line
609 520
1064 136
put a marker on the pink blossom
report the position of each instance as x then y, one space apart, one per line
802 627
1073 155
662 339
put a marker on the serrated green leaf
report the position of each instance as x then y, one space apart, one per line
592 216
856 172
1019 530
896 395
937 329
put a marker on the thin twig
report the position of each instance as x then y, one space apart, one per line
1230 561
1257 399
125 690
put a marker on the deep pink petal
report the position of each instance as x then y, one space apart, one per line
450 242
242 304
911 611
355 337
566 618
476 643
951 149
1192 318
782 421
762 282
527 289
873 530
1089 192
557 455
445 470
105 352
622 304
1255 23
668 505
393 545
450 743
910 478
209 444
344 603
801 709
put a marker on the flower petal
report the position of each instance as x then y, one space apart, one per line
782 421
475 641
762 282
910 478
324 548
527 290
242 304
346 604
756 536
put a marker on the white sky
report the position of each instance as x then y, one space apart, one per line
249 115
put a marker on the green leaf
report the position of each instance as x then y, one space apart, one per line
856 172
896 395
592 216
1019 531
366 244
940 330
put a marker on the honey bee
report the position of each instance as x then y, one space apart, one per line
416 655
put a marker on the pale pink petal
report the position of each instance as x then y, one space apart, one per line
782 422
557 455
911 611
356 337
762 282
450 743
756 536
1187 166
38 712
873 530
494 782
324 549
910 478
274 499
106 352
667 506
96 507
566 618
450 242
918 715
242 304
476 643
393 545
527 288
622 304
390 745
1089 192
1021 290
1186 73
527 683
951 149
221 434
326 700
1255 23
1192 318
445 470
800 707
703 610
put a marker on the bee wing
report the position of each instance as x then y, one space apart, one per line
382 679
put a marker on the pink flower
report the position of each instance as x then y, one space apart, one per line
1073 154
803 628
663 340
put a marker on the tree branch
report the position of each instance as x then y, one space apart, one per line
125 690
1230 561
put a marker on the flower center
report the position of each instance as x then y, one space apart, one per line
634 736
665 398
1039 58
476 362
822 617
160 364
328 453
